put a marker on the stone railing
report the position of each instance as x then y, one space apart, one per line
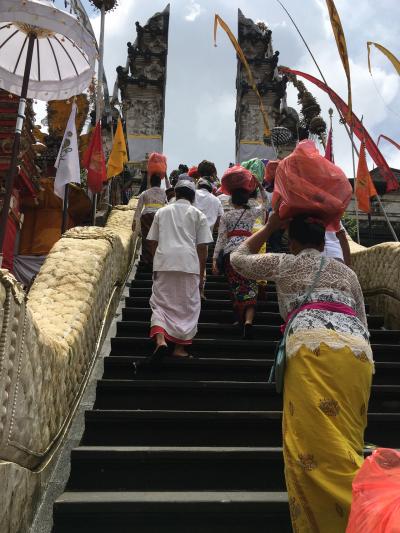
378 269
48 344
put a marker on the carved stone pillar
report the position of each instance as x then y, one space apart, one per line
256 43
142 85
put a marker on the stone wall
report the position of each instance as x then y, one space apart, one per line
378 269
48 343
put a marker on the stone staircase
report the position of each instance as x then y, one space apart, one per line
196 445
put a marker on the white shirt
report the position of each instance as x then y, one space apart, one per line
178 228
332 245
225 200
209 205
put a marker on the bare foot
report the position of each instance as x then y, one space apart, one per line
179 351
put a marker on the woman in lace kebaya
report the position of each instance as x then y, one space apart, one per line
328 374
235 226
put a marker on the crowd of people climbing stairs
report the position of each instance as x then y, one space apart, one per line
324 362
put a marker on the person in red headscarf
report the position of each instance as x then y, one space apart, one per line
235 226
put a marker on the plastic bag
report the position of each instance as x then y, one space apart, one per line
306 182
237 177
193 172
376 494
270 170
256 167
157 164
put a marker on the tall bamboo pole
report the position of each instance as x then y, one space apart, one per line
99 95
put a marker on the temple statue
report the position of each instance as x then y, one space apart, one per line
142 87
255 40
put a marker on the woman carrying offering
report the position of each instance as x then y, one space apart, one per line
235 226
150 201
328 373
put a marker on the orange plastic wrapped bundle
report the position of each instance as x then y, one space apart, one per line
270 170
306 182
237 177
193 172
157 164
376 494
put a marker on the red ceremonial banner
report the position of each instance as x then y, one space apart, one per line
358 128
94 161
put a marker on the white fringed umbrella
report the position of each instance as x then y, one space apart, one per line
64 53
45 53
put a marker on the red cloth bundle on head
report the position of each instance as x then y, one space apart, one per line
306 182
157 164
270 170
237 177
376 494
193 172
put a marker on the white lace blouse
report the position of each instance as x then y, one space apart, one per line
293 275
230 221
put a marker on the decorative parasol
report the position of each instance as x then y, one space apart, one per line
45 53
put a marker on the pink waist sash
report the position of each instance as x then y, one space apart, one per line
334 307
239 233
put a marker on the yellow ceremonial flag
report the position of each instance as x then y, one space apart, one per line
242 57
342 47
118 156
392 58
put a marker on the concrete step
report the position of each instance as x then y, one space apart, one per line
260 331
219 347
223 304
225 316
213 395
106 468
208 428
172 512
199 369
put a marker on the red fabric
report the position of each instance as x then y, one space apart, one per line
329 148
307 183
270 170
158 329
358 128
27 182
237 177
376 494
239 233
388 139
334 307
193 172
157 164
9 244
364 186
94 161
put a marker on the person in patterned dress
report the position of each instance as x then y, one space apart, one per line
235 226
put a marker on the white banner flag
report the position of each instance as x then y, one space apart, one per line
67 163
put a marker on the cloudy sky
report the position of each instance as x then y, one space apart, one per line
200 99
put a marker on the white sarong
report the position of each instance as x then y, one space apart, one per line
176 304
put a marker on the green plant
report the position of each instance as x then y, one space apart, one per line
351 225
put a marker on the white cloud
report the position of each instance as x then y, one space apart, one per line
193 11
201 90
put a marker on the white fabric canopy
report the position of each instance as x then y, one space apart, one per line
64 53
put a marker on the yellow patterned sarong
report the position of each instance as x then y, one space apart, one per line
326 395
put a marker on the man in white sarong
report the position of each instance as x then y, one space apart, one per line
180 234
